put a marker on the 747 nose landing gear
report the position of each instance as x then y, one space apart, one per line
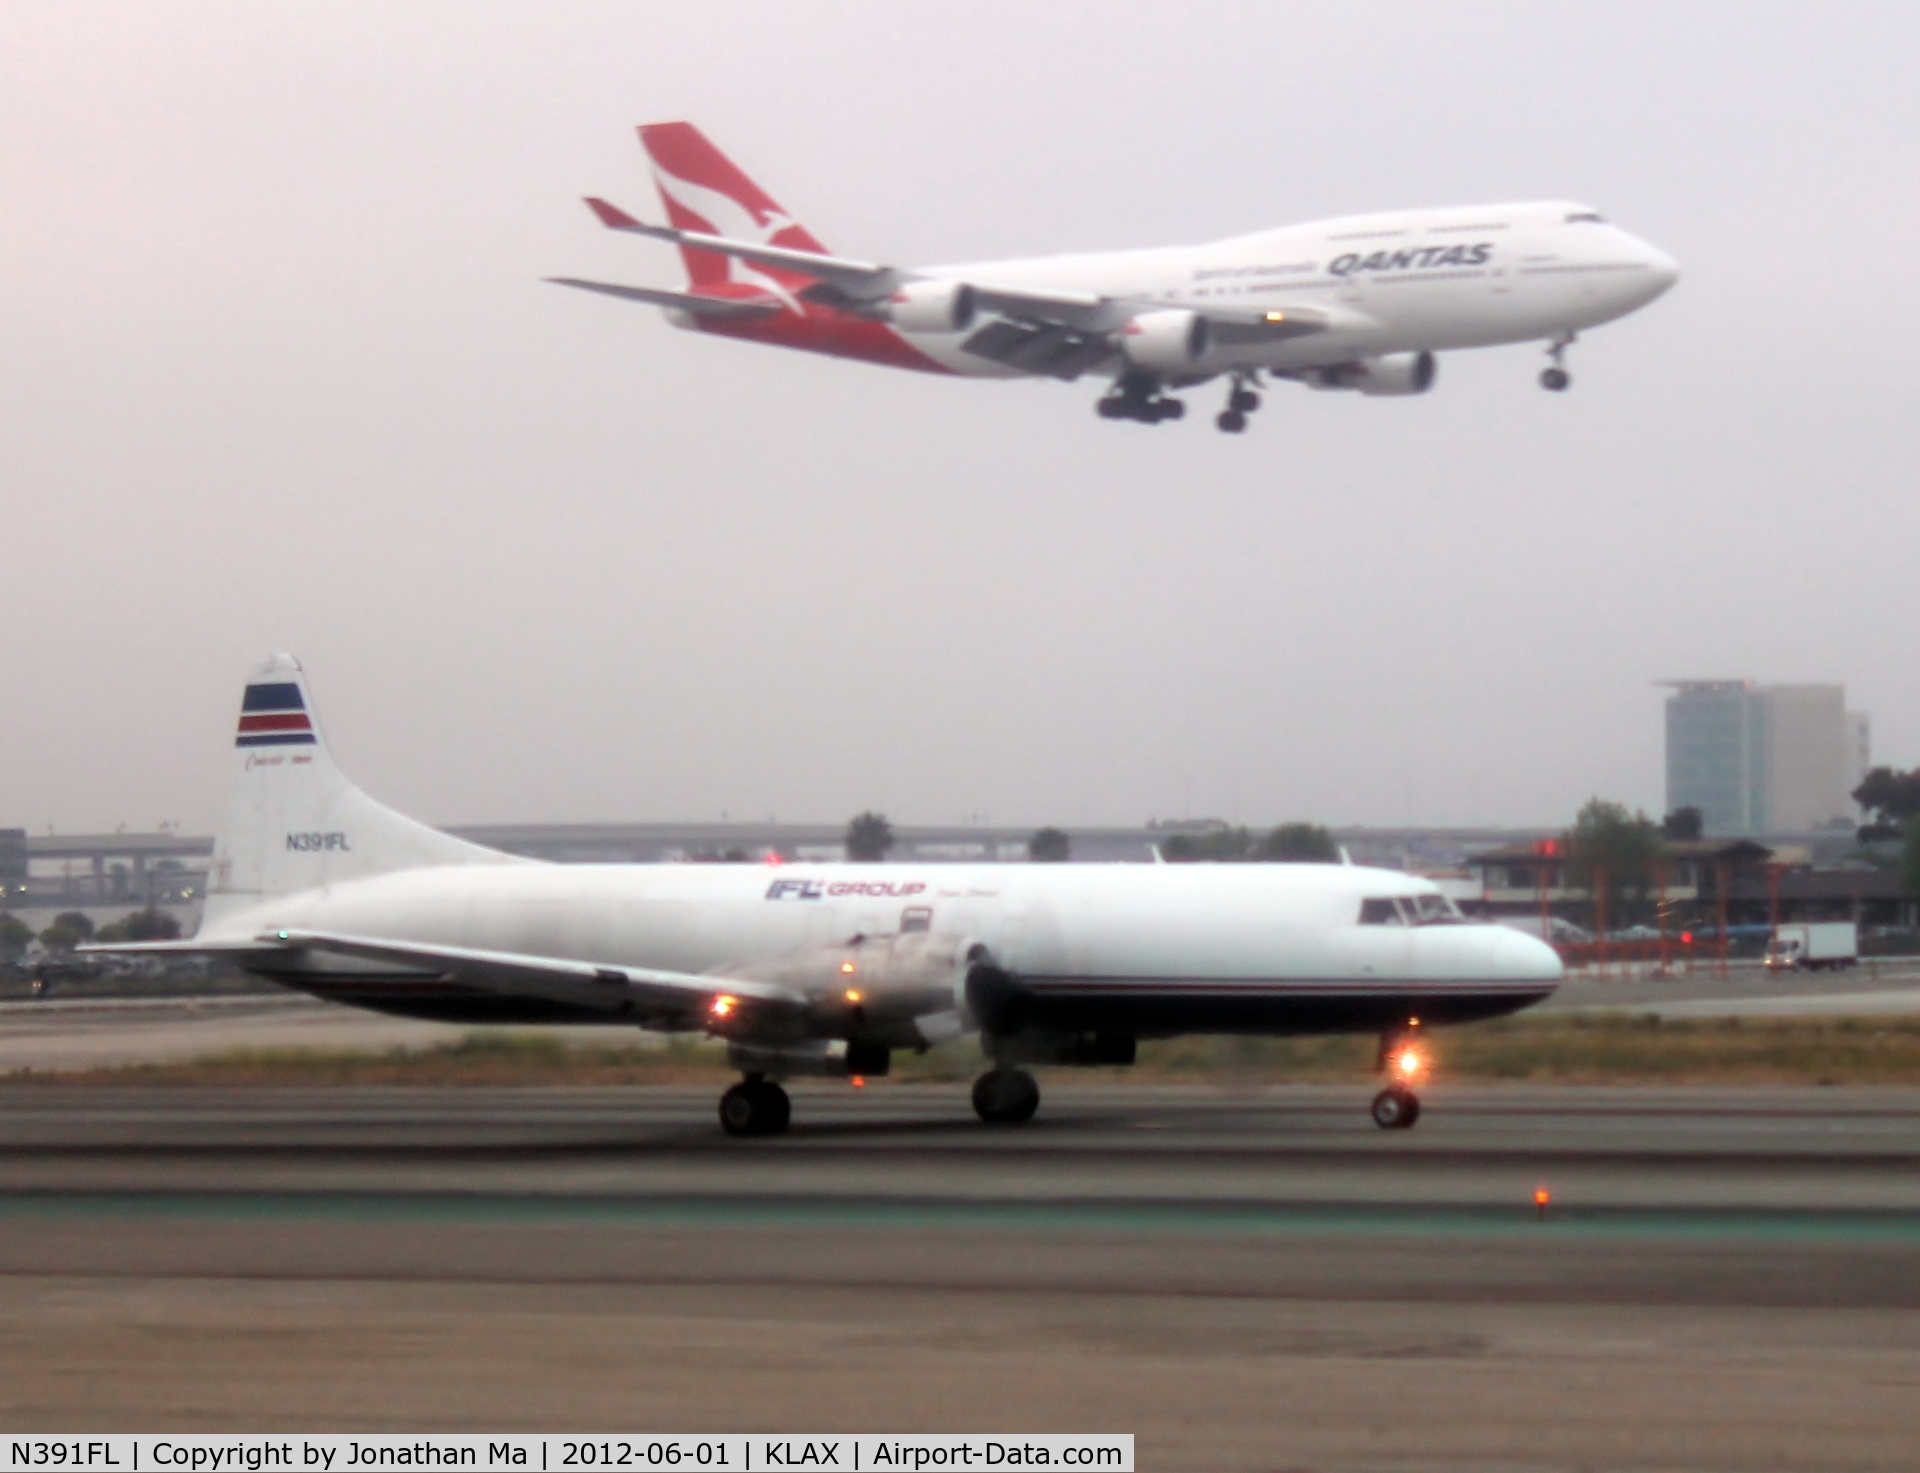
1555 376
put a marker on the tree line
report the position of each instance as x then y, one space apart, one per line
73 928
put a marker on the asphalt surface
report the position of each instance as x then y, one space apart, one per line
1725 1279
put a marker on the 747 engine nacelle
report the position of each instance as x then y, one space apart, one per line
932 306
1391 374
1172 340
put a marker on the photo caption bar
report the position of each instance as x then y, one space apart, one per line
758 1452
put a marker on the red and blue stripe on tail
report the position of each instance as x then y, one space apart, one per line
275 715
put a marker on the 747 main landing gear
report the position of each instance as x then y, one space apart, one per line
755 1106
1241 401
1138 397
1555 377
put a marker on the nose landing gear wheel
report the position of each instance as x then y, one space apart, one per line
1005 1096
1555 379
1396 1109
1231 421
755 1107
1243 401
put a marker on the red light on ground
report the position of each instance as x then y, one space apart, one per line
773 857
859 1081
1546 848
1686 938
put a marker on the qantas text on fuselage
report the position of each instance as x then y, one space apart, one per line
1362 303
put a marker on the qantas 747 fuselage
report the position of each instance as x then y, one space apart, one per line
1359 303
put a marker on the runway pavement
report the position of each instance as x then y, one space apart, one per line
1248 1280
1723 1279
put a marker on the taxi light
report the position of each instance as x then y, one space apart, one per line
1410 1062
853 994
847 967
1276 317
724 1004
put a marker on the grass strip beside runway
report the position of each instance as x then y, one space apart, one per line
1533 1049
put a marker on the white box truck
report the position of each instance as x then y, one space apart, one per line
1814 946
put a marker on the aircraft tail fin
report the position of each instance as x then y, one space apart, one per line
704 190
294 822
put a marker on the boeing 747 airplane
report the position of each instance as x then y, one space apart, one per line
827 969
1361 303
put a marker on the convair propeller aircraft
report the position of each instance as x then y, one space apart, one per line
809 969
1360 303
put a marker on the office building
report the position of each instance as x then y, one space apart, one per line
1758 759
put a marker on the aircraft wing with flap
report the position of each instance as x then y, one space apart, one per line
685 997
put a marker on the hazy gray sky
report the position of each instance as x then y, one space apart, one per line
277 371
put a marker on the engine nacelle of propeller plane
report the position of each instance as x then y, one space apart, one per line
932 306
900 990
1389 375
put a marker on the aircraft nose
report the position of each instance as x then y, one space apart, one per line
1662 270
1518 957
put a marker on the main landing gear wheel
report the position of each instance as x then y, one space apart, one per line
1396 1109
1138 397
755 1107
1005 1096
1241 401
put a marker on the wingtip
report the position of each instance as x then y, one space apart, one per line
611 216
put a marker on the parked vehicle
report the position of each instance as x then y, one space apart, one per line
1814 947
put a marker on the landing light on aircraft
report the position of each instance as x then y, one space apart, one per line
847 967
1410 1062
1276 317
724 1004
853 994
